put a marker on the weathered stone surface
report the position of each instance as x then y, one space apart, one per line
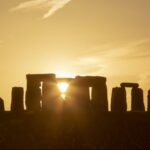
17 99
118 100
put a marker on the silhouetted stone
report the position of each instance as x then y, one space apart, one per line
2 108
125 84
68 80
78 96
99 94
50 96
17 99
99 91
70 97
118 100
33 93
40 77
82 98
33 96
148 97
137 103
90 81
95 80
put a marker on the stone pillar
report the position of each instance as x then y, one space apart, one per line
17 99
82 93
70 97
82 98
33 95
77 96
137 103
99 94
50 96
2 108
148 99
118 100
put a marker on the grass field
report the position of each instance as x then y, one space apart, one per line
75 130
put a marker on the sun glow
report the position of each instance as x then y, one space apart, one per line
64 74
63 86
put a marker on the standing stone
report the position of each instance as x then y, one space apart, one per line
137 103
45 95
17 99
82 98
77 96
70 99
2 108
118 100
33 92
99 95
82 93
50 96
33 95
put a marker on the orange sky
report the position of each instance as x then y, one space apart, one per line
87 37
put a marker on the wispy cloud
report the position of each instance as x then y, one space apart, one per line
51 5
108 57
119 51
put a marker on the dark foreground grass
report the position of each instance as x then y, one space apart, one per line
75 130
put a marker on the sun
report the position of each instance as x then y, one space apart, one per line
63 86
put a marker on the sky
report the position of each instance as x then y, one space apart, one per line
108 38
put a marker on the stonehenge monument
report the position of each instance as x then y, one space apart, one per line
42 94
78 92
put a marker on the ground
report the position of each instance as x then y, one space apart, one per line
75 130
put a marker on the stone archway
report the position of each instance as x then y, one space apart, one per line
34 97
119 101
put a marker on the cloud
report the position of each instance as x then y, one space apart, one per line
138 50
114 58
56 5
120 51
88 65
52 5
